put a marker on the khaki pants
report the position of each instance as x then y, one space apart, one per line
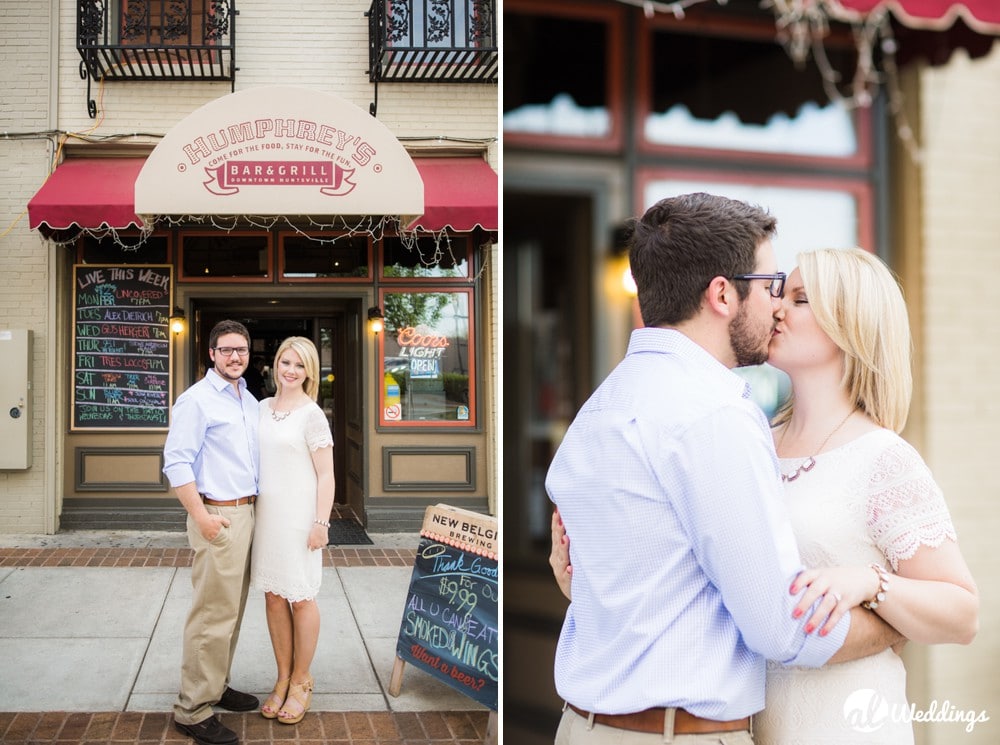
220 577
577 730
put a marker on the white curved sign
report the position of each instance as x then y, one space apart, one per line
279 150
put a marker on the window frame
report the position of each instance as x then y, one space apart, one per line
282 279
267 278
742 29
614 18
382 424
128 237
469 259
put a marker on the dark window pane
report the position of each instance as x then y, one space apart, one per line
712 75
347 256
224 256
125 249
545 56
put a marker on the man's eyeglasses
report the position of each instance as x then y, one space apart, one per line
228 351
777 286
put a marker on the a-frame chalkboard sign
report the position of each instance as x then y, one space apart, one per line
449 625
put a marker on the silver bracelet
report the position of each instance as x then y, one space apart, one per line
324 523
880 592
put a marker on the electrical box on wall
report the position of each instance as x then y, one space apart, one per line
15 399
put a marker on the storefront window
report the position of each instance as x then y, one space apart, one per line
712 106
124 248
407 258
234 256
315 257
562 75
428 372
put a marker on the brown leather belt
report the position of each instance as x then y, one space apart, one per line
651 721
230 503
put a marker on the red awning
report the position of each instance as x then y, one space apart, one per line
96 193
981 15
459 193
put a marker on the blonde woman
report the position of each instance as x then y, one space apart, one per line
865 508
293 513
862 501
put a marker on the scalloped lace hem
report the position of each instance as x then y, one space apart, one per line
904 547
294 596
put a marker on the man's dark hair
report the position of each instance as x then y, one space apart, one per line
227 327
682 243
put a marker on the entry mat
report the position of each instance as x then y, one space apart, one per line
347 532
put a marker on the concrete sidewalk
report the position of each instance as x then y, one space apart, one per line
90 637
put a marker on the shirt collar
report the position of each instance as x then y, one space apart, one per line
672 341
219 383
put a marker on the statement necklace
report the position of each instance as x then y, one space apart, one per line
809 463
280 416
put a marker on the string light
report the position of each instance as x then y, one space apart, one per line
428 254
803 26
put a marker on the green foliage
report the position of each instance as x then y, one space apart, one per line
403 309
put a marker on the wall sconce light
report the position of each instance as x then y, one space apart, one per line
376 321
628 282
178 323
619 264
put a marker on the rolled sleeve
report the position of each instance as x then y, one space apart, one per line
183 445
179 474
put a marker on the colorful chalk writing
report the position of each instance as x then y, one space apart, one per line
449 625
121 346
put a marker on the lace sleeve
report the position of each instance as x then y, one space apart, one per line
318 433
906 508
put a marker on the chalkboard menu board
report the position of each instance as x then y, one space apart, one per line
449 625
121 346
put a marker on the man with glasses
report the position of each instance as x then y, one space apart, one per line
211 460
668 487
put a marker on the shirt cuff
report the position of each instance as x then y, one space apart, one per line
179 474
817 650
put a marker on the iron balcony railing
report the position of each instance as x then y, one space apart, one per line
155 40
435 41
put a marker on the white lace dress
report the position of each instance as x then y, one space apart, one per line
872 500
280 560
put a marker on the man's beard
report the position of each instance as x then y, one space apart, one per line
224 372
749 345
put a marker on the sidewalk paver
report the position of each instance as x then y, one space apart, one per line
90 641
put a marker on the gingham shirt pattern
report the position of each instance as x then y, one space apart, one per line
682 555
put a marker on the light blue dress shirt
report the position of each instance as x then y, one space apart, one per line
682 555
213 439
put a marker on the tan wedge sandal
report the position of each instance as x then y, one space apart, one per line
301 696
272 707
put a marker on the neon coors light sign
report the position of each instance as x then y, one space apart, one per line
279 150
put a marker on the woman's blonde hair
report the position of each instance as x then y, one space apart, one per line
858 303
306 351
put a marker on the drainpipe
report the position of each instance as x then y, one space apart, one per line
52 460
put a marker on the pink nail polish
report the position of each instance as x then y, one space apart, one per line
796 613
809 628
